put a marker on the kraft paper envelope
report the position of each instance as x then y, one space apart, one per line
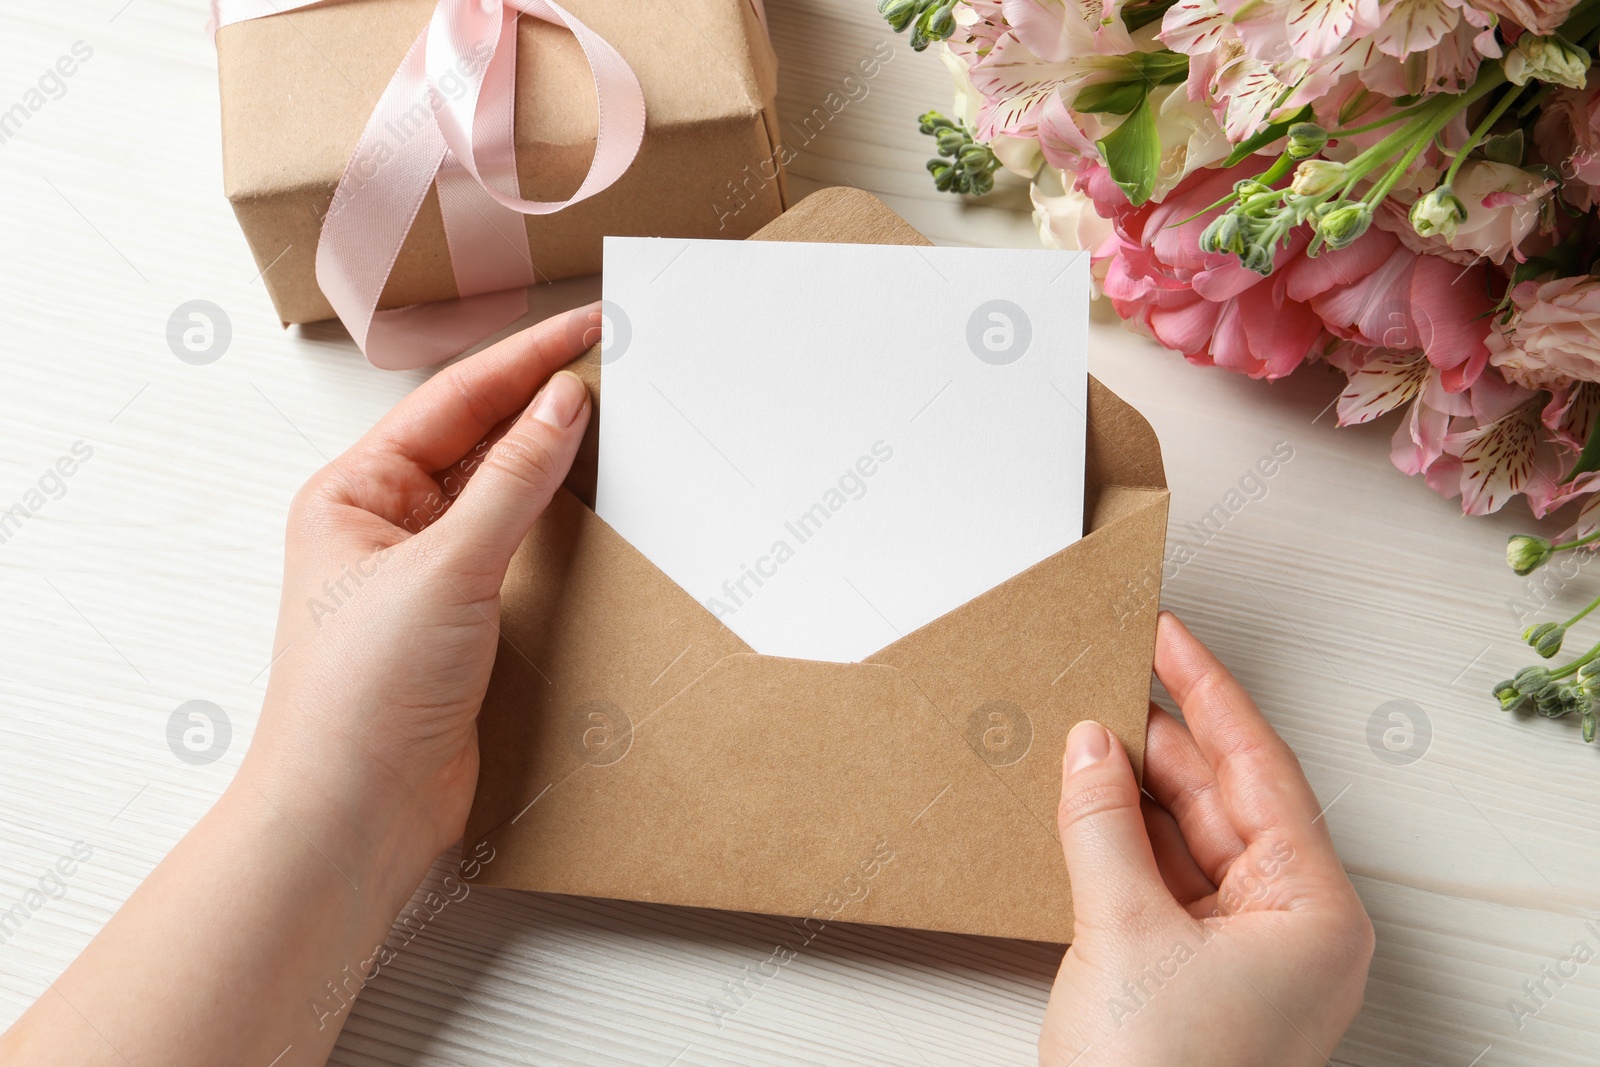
634 748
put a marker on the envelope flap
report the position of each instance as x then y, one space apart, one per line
1121 446
1068 639
592 636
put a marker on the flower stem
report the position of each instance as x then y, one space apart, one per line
1380 123
1562 672
1579 543
1483 127
1425 129
1386 148
1277 170
1579 616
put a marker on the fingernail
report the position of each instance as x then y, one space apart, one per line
1087 743
559 402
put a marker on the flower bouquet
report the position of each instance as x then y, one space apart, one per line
1404 190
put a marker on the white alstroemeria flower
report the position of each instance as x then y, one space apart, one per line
1066 217
1019 155
1190 137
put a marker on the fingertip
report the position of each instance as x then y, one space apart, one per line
521 472
583 327
562 401
1169 629
1177 648
1101 824
1087 744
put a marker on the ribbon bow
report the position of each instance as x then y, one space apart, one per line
463 141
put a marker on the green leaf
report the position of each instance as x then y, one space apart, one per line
1112 98
1255 144
1164 67
1132 153
1139 15
1507 148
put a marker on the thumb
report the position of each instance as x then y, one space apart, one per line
1109 860
519 475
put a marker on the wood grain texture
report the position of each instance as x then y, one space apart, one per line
153 579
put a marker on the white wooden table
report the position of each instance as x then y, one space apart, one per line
149 578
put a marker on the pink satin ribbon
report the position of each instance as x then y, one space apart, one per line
465 144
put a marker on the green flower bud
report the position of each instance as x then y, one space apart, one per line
1305 139
974 157
899 13
941 22
1552 701
1341 226
1250 187
1526 553
1438 213
1588 726
1550 58
1572 699
1257 257
1506 693
1545 637
967 166
1224 234
1529 681
1318 177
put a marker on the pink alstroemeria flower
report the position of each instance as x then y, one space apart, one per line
1586 522
1569 417
1537 16
1382 380
1481 444
1056 30
1502 458
1570 414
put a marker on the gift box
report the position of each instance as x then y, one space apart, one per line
298 88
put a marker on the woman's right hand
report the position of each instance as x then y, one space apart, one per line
1214 923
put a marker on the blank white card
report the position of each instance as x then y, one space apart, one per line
830 445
